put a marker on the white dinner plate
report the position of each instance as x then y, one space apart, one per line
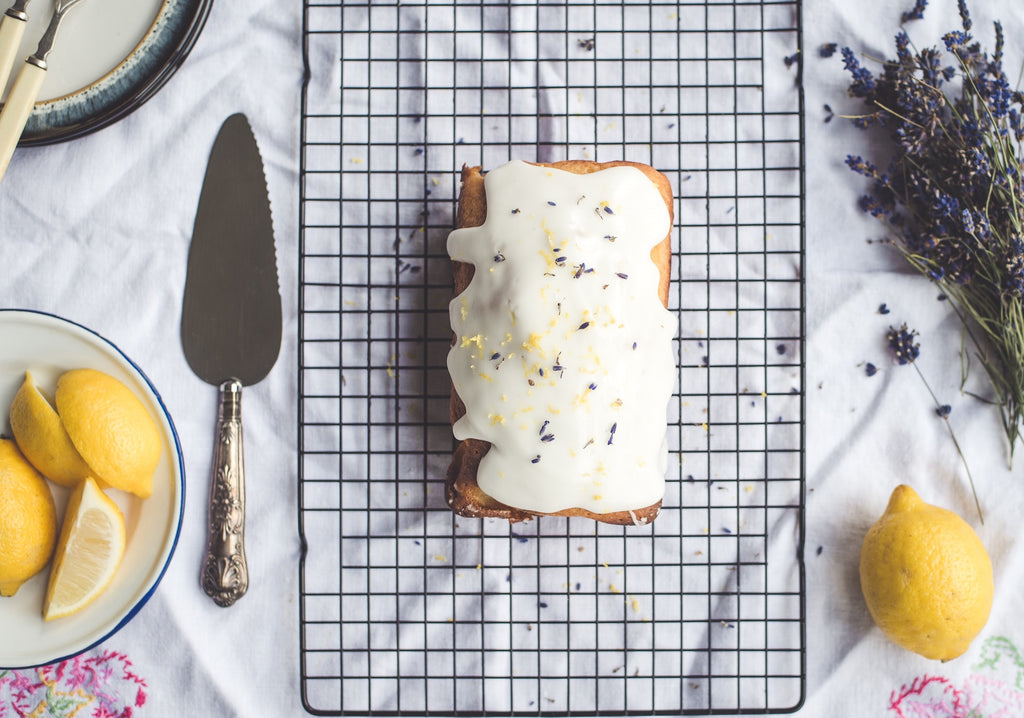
47 346
110 56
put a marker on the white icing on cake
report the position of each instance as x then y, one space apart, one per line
563 352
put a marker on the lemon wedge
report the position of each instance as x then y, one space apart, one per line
89 550
41 436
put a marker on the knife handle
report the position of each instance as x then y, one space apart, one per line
12 29
18 107
225 576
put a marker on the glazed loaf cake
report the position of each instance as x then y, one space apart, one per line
561 360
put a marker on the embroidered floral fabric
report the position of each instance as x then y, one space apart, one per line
100 683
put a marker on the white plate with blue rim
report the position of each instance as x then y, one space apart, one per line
47 346
110 57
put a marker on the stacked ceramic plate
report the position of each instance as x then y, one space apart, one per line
111 56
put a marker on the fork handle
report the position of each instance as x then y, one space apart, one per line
12 29
17 109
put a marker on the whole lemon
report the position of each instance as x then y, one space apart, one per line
926 577
28 520
111 429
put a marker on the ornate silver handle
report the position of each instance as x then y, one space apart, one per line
225 576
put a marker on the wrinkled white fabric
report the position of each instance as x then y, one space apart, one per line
866 434
97 230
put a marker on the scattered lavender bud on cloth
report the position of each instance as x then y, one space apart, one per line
905 350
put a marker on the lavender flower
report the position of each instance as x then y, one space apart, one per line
1014 281
956 41
1015 124
903 47
871 204
906 350
997 54
951 188
968 221
861 166
943 205
902 345
965 16
916 12
930 62
863 81
997 95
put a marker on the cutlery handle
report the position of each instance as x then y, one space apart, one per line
12 28
225 576
16 110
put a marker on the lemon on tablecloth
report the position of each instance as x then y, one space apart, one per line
89 550
28 520
111 429
42 438
926 577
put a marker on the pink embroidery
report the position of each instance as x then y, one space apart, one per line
100 682
928 696
997 693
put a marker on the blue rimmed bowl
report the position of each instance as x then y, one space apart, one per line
47 346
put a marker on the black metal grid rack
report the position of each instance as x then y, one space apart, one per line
406 609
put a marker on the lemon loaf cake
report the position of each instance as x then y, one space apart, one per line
561 362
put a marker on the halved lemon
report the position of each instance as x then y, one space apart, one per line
89 550
42 438
111 429
28 520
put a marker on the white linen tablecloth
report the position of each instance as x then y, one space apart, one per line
867 434
97 230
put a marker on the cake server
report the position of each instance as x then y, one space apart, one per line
25 89
231 331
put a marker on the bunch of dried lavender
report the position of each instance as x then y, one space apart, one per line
952 194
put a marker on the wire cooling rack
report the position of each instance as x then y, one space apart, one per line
406 609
